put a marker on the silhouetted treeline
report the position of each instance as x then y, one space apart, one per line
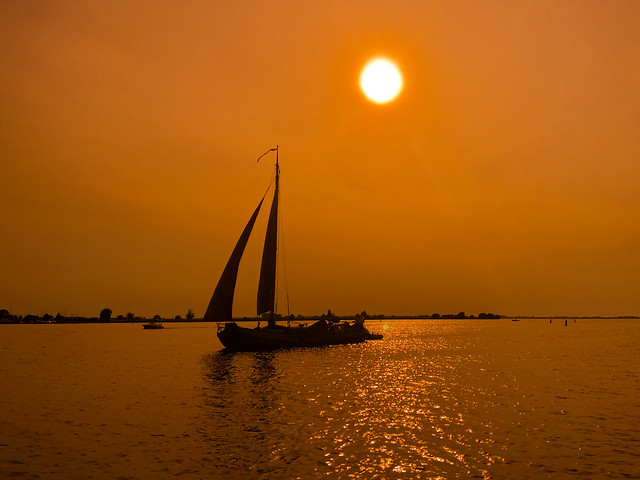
105 316
364 315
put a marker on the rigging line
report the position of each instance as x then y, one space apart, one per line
284 259
268 188
274 175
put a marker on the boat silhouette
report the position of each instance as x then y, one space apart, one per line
273 335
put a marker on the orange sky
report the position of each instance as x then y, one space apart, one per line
503 179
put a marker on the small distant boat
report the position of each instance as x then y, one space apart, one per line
273 336
515 319
153 325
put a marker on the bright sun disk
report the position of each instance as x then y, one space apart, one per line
381 81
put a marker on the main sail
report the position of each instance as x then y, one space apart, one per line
267 284
221 304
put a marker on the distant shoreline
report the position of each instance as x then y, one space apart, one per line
48 319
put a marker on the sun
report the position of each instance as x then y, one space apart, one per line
381 80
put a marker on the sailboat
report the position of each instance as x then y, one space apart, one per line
273 335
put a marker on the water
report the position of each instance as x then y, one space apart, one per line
434 399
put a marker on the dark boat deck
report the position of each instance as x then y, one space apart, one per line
237 338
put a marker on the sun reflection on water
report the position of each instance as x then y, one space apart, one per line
425 402
389 408
433 399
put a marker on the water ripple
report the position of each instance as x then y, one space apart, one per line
429 401
433 399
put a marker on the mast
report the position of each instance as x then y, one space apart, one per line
266 301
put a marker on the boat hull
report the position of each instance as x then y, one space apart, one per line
237 338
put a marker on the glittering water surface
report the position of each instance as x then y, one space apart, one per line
433 399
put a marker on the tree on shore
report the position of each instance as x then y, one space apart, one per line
105 314
190 314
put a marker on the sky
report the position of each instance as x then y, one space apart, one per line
503 179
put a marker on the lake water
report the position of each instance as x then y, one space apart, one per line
435 399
